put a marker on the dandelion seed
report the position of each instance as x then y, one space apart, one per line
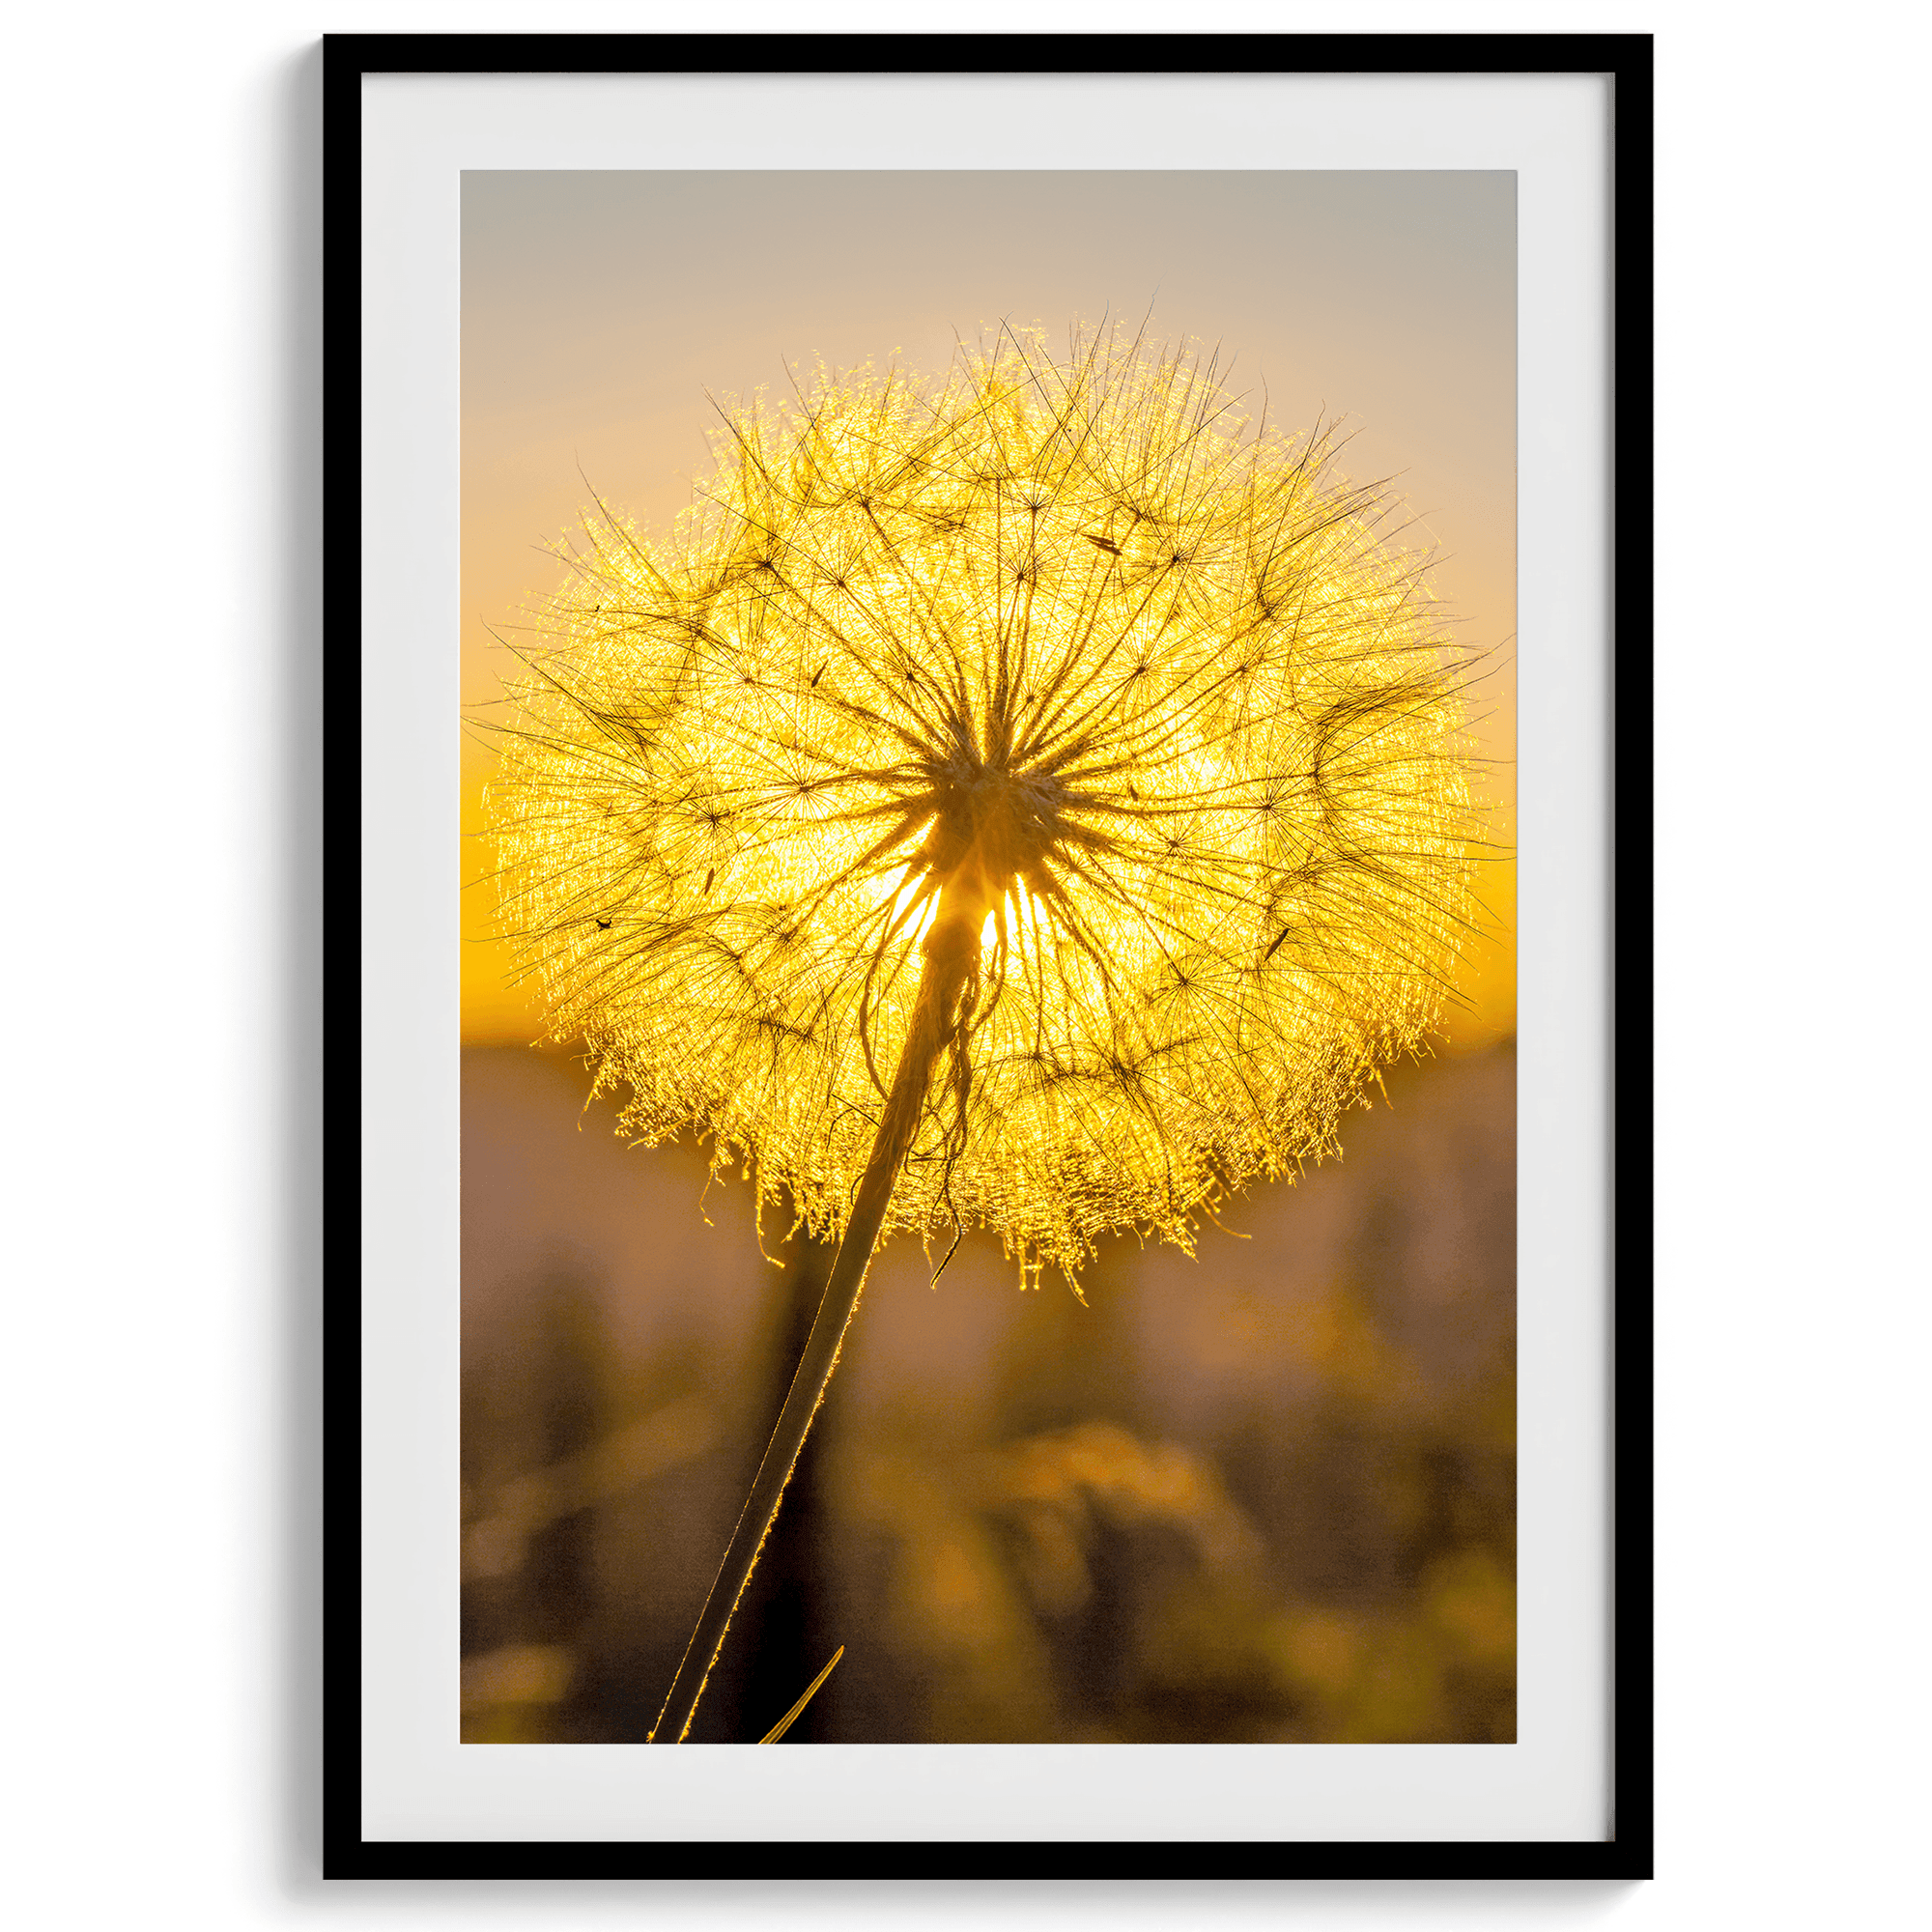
1079 787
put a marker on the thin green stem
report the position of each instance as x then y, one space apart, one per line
951 949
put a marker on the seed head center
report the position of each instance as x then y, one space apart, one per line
994 825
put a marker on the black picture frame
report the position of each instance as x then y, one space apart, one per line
1627 59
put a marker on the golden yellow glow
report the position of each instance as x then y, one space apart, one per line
1065 626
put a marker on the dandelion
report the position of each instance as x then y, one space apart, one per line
1035 799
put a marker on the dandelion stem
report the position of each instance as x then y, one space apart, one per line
950 951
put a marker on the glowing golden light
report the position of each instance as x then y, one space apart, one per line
1066 643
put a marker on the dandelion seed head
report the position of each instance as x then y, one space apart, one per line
1063 636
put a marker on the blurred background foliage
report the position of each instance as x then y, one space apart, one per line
1266 1493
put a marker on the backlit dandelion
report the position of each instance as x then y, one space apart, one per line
1036 799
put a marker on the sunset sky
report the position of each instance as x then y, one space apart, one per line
599 309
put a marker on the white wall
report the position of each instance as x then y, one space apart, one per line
165 665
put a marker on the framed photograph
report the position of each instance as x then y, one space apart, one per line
989 884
